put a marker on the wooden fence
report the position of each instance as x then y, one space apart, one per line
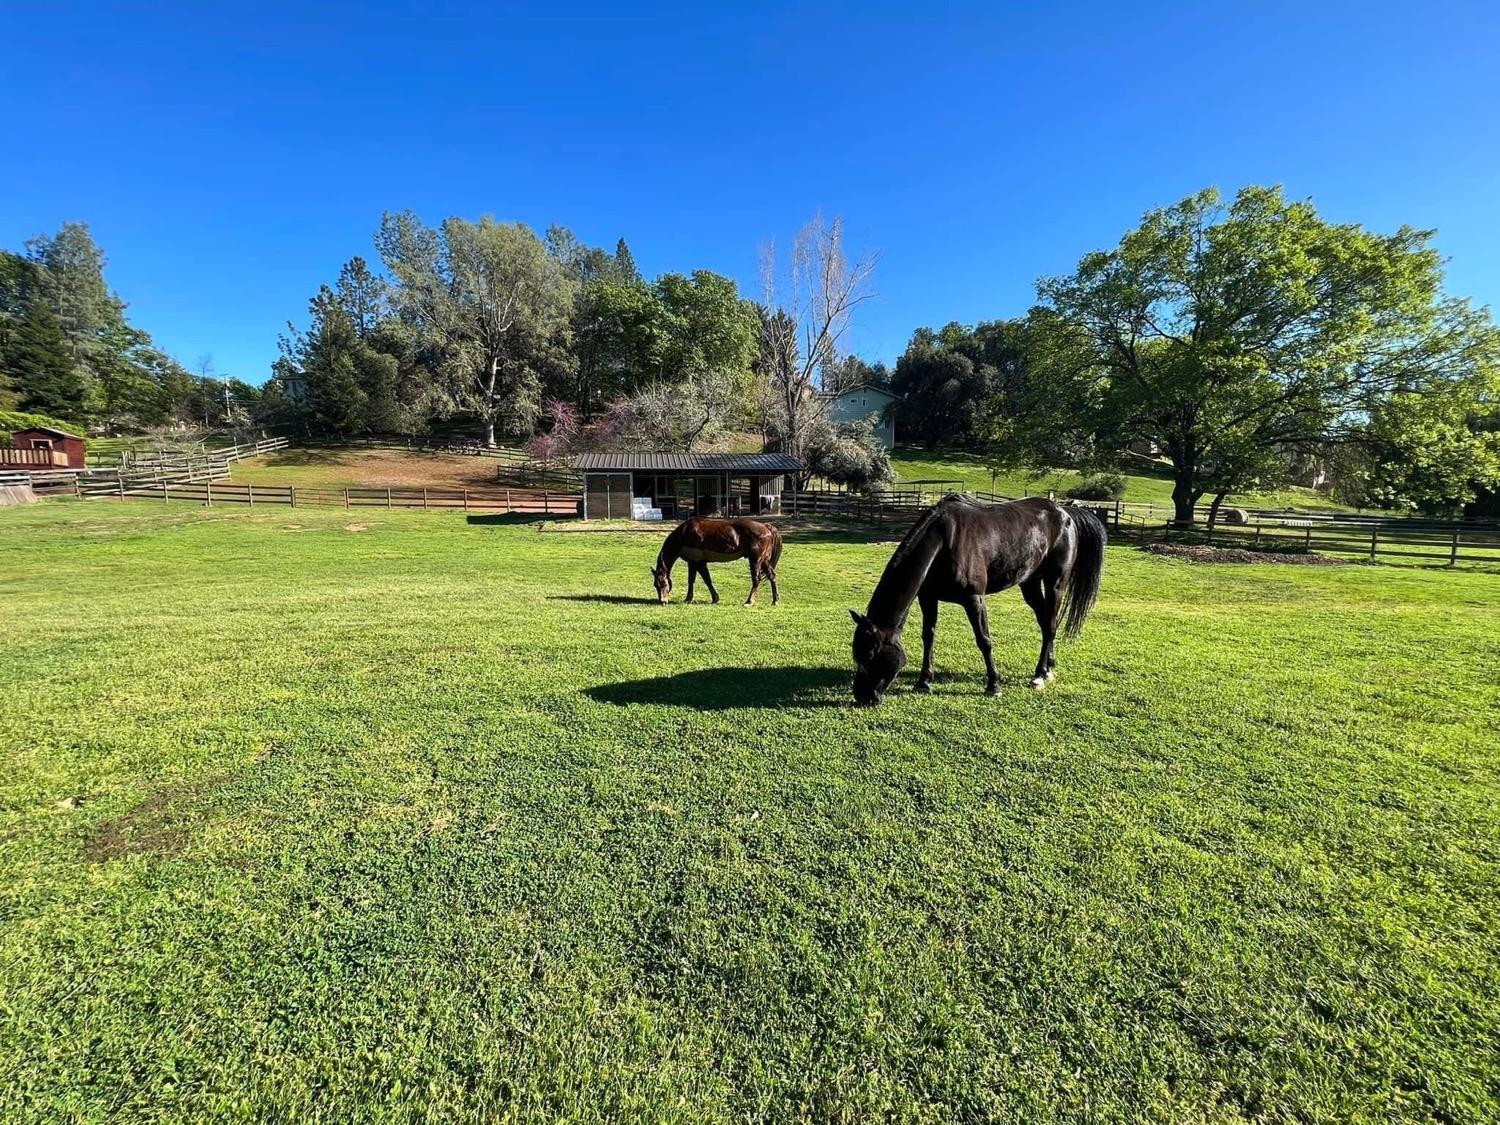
501 500
1425 541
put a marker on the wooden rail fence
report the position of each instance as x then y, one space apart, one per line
211 492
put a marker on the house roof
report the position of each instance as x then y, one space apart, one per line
47 430
864 387
686 462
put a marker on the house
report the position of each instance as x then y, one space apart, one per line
42 447
855 404
679 485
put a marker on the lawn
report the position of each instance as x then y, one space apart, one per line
416 818
1142 488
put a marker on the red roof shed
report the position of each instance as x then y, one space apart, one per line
42 447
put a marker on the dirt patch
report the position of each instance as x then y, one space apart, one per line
1235 555
159 825
356 527
368 468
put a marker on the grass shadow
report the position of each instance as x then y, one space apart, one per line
724 689
609 599
502 519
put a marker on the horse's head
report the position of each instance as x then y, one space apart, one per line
661 578
879 657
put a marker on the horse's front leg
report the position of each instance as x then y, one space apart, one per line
709 582
929 606
980 620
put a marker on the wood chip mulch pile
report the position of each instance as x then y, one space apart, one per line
1235 555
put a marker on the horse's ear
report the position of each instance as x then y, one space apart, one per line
859 618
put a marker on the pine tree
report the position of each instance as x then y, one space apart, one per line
625 263
337 403
38 364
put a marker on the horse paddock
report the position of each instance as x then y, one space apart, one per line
448 819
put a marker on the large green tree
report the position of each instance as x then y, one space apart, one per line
38 363
1226 332
494 305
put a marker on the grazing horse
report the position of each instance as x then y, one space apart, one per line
959 551
699 541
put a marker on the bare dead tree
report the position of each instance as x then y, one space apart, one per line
805 316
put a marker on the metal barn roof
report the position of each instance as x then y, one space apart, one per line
686 462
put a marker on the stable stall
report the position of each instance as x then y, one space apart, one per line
679 485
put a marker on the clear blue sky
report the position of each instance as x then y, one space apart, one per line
228 163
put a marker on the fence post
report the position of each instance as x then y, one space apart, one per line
507 501
1453 555
1374 540
1210 533
1256 541
122 484
346 498
547 505
424 499
1307 544
208 492
388 491
466 499
291 490
250 493
164 496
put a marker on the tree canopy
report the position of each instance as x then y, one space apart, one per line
1230 333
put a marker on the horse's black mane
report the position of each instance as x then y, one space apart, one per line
925 520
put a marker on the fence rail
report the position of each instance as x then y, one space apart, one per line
211 492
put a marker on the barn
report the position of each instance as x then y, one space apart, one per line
679 485
42 447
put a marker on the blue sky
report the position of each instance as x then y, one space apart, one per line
229 160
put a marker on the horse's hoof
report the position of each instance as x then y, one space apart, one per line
991 689
1037 683
921 687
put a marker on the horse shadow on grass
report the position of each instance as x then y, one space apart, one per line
503 519
724 689
608 599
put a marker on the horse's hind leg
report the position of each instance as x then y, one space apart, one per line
709 582
980 620
755 575
929 634
1042 598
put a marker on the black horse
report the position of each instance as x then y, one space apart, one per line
959 551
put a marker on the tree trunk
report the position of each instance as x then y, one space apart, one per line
489 433
1184 496
1213 509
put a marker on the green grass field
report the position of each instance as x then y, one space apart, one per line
1142 488
410 818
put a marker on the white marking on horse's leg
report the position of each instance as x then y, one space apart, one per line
1038 682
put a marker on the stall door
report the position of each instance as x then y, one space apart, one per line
608 496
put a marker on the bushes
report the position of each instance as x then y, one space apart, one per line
1100 486
13 420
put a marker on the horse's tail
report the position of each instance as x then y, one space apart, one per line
1088 567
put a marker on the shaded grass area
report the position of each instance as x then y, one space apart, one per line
1141 487
439 821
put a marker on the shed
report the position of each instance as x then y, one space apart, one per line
42 447
683 484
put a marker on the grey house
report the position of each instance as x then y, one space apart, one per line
855 404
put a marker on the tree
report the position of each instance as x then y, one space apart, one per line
1227 332
673 417
850 455
493 301
804 319
38 363
851 371
363 297
706 328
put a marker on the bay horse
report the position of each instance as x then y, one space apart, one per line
959 551
699 541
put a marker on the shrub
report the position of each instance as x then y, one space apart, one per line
1100 486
